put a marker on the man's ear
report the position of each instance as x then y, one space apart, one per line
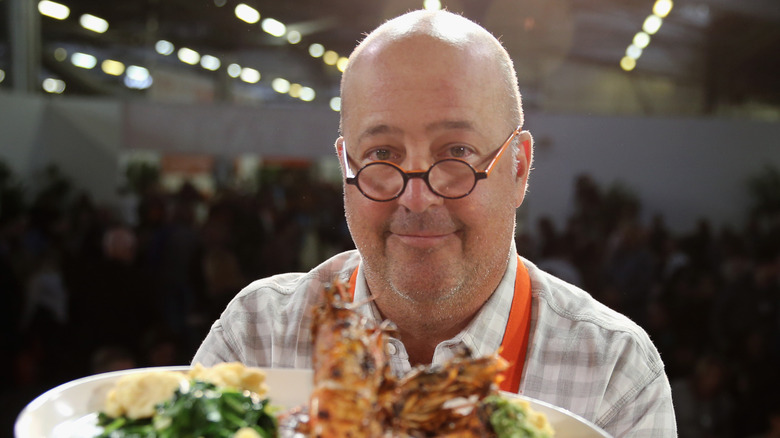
527 149
524 160
340 153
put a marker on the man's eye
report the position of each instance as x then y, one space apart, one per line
380 155
459 151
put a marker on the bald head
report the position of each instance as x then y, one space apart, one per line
437 30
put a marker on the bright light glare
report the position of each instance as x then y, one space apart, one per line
113 68
274 27
210 62
652 24
137 73
250 75
188 56
247 13
662 8
164 47
633 52
54 86
293 37
234 70
295 90
335 104
316 50
281 85
83 60
2 75
341 64
93 23
307 94
53 10
137 77
432 5
627 63
330 57
641 40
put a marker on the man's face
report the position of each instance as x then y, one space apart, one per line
413 104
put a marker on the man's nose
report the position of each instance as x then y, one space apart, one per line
418 196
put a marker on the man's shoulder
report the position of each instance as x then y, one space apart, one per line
297 286
565 309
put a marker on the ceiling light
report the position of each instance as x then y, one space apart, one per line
295 90
281 85
316 50
641 40
111 67
335 103
247 13
627 63
210 62
188 56
60 54
53 9
307 94
330 57
662 8
250 75
137 77
83 60
341 64
234 70
633 52
93 23
164 47
274 27
652 24
2 75
293 37
54 86
432 5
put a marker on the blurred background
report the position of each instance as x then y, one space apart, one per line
157 155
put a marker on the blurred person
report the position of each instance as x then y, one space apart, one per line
435 92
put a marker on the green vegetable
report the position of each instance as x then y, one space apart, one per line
511 420
202 411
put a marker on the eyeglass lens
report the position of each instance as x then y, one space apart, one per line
447 178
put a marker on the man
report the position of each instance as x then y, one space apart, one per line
424 94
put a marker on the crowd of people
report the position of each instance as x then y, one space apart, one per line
86 289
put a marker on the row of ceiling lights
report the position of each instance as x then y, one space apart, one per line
139 77
652 23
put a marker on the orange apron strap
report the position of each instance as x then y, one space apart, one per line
352 284
515 342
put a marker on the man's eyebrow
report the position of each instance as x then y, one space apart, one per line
450 124
435 126
379 130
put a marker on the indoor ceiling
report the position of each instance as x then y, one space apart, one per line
718 53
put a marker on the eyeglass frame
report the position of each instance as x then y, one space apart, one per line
352 178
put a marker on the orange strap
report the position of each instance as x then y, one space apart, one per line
515 342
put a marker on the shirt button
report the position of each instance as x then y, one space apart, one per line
391 349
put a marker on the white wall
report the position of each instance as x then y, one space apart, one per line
683 168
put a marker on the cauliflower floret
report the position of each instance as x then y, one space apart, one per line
246 432
136 395
232 374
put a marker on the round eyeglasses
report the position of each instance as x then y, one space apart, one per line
450 178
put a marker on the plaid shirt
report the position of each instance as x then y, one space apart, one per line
582 356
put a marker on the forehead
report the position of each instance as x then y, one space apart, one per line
420 80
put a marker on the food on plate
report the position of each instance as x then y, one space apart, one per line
222 401
356 394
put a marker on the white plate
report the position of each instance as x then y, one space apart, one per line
70 410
